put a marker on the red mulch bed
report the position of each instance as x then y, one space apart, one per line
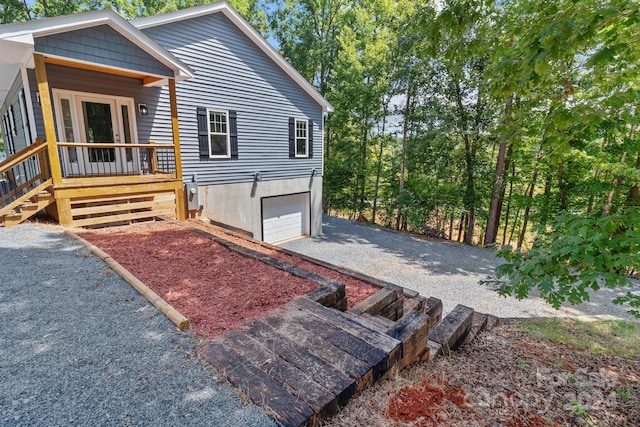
215 288
356 289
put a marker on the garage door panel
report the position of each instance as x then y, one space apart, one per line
285 217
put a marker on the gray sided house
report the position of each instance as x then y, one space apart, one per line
194 96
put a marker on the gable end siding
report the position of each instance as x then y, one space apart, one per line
232 73
101 45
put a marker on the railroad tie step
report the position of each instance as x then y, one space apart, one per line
260 387
434 310
343 328
296 381
387 302
341 386
478 324
312 338
454 328
412 330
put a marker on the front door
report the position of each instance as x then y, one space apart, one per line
98 126
96 119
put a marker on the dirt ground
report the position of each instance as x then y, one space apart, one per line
215 288
507 377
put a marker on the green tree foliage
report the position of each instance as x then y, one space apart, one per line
13 11
510 122
580 63
21 10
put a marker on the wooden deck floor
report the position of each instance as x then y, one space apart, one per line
305 361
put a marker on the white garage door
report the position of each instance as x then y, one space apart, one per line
285 217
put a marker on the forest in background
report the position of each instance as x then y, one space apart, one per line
503 123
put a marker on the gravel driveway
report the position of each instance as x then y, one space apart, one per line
449 271
79 346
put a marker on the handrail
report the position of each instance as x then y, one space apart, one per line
20 200
18 189
112 145
22 155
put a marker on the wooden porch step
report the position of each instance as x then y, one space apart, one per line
26 210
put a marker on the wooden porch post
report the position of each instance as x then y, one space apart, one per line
63 205
47 117
175 130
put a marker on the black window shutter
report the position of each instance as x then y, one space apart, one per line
292 137
310 139
233 133
203 132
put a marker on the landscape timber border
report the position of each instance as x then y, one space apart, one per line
167 309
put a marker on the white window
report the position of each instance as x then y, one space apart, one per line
218 134
302 139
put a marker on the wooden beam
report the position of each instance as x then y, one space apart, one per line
174 315
117 189
181 208
65 218
149 81
175 129
181 205
47 117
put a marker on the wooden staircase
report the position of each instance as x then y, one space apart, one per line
27 209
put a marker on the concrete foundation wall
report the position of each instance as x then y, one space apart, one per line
239 205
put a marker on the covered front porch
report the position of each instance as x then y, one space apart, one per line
94 136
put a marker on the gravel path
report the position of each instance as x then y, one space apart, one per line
449 271
79 346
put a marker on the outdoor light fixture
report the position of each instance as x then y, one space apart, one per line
257 177
313 172
142 109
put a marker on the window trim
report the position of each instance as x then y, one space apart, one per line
228 133
296 138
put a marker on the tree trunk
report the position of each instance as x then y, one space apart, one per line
498 185
513 227
450 237
607 205
362 173
405 131
471 223
532 186
379 163
545 209
470 196
463 218
561 190
592 197
506 215
634 192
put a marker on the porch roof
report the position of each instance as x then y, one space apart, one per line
17 42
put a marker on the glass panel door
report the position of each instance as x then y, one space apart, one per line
98 120
68 133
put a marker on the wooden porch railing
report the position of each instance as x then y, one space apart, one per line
117 159
23 175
